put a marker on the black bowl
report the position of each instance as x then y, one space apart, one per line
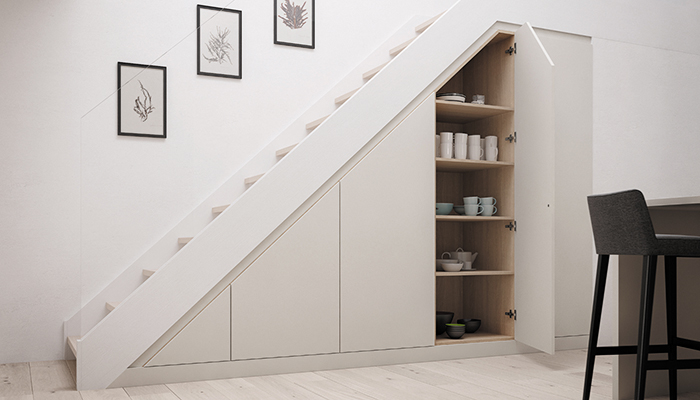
455 332
441 320
470 325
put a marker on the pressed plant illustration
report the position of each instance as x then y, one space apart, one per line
219 47
145 107
294 16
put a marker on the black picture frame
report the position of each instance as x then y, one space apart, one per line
295 24
219 42
141 100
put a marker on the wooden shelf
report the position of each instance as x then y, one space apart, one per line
474 273
476 337
453 165
466 218
460 113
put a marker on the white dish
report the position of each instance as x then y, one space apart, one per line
453 98
452 267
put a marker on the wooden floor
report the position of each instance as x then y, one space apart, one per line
531 376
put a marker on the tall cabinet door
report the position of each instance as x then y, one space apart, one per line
387 224
534 192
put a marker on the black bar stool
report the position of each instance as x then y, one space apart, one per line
622 226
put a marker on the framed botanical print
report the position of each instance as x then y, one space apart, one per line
141 100
219 39
295 23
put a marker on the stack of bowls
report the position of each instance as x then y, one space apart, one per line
442 318
455 331
470 325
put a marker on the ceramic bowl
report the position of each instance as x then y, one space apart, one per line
442 318
443 208
455 331
459 209
470 325
452 265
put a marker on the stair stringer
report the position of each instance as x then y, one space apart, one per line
112 345
164 248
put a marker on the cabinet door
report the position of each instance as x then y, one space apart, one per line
286 302
388 240
534 192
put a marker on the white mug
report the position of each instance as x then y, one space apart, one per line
446 150
475 152
446 137
491 154
491 201
461 255
461 138
491 141
489 210
474 140
473 209
471 200
461 150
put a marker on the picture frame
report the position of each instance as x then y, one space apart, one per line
141 100
295 24
219 42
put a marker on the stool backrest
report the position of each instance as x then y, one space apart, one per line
621 223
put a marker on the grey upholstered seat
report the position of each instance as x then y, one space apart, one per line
622 226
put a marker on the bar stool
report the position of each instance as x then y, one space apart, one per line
622 226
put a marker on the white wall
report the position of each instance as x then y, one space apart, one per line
73 193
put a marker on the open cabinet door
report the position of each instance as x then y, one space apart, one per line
534 192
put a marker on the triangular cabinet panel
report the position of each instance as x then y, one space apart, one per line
534 188
286 302
205 339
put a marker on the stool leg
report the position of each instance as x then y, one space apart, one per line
601 276
647 303
671 325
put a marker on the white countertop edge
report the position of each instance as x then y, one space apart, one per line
673 201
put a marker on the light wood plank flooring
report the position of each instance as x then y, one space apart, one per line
530 376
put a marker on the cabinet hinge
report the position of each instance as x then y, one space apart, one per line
512 49
513 314
512 226
512 138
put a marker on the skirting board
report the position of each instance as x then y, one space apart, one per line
140 376
562 343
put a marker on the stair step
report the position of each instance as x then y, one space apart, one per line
342 99
111 305
219 209
283 152
253 179
372 72
148 272
73 344
425 25
398 49
314 124
184 240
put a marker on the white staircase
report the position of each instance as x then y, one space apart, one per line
143 304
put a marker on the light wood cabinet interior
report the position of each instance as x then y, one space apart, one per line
486 293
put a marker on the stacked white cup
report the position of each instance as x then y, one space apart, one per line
474 150
491 148
446 144
461 146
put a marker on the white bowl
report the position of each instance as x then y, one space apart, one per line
451 266
453 98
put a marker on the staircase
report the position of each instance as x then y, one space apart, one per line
156 291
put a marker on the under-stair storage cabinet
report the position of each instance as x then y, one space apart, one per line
512 287
387 241
286 302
